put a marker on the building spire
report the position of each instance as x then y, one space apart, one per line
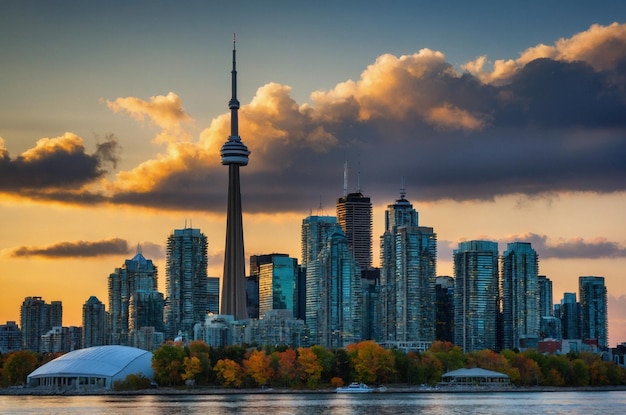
234 151
345 178
402 190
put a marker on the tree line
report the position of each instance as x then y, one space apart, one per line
197 364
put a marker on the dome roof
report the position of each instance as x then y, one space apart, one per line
111 362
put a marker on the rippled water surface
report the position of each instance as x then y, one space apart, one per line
510 403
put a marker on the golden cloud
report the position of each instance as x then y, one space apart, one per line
67 143
602 47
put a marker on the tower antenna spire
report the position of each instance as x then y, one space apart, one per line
345 178
402 190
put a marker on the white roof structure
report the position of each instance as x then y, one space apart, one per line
93 366
474 376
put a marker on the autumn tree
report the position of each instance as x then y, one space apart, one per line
433 369
229 373
326 358
17 367
286 370
258 367
450 355
371 362
168 364
310 367
200 350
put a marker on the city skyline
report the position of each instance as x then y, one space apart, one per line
111 122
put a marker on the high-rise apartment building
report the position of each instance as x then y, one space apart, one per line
134 300
408 272
476 289
354 214
10 337
570 317
550 325
35 321
94 323
186 282
520 296
335 312
593 307
444 308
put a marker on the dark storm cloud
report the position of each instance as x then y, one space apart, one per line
554 120
56 163
85 249
81 249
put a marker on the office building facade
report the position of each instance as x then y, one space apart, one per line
94 323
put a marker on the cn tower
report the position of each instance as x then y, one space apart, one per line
234 154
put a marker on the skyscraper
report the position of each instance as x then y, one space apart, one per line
214 295
593 307
134 300
550 325
186 282
315 232
408 272
94 323
476 295
335 312
234 154
520 296
354 214
277 284
35 321
570 316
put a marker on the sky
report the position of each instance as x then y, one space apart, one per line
501 121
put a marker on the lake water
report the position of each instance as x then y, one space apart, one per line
509 403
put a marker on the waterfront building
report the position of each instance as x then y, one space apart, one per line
35 321
134 300
408 272
234 154
277 328
550 325
444 308
520 296
94 323
593 307
476 290
570 317
334 305
186 282
10 337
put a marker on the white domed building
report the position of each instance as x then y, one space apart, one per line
94 367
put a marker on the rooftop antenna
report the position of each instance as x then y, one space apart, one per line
358 176
139 248
402 190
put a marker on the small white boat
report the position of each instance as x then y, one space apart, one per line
355 387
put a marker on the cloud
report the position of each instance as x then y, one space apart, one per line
113 246
56 163
86 249
575 248
551 121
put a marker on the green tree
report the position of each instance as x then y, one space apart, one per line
433 369
580 373
168 364
17 367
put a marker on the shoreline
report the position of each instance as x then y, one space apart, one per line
165 391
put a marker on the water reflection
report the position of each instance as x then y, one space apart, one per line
514 403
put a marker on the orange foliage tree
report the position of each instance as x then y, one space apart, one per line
258 367
229 373
286 367
310 367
